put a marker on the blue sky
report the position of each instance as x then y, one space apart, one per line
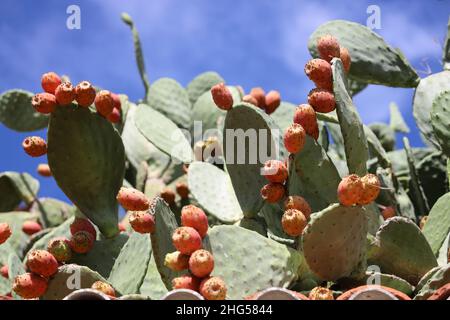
249 42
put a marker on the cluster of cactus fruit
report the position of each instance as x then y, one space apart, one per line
322 207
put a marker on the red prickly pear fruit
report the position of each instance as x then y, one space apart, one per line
60 249
122 227
250 99
81 224
294 138
213 288
293 222
346 59
132 199
142 221
194 217
82 242
31 227
275 171
370 189
305 116
423 222
186 282
388 212
272 101
168 196
186 240
322 100
222 96
176 261
30 285
260 96
201 263
34 146
104 103
44 170
4 271
298 203
50 81
42 263
84 94
328 47
321 293
44 103
319 72
65 93
117 102
349 190
104 287
114 116
272 192
182 190
5 232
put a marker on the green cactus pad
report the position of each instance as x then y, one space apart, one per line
446 51
438 224
334 241
440 120
5 251
244 161
306 176
17 186
17 113
272 264
15 267
171 99
87 160
69 278
213 190
427 91
376 148
254 224
52 212
15 220
284 115
60 231
131 264
433 176
373 60
153 286
389 280
355 142
355 87
163 133
442 256
402 250
272 213
397 122
134 297
432 281
201 84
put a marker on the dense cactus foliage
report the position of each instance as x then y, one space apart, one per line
265 201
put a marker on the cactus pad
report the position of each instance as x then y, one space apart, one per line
52 212
438 224
432 281
397 123
440 120
202 83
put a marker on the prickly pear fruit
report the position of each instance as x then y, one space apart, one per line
194 217
201 263
142 221
388 212
50 81
422 222
176 261
60 249
186 282
34 146
82 242
260 96
294 138
272 101
293 222
319 72
328 47
114 116
132 199
272 192
65 93
250 99
84 94
298 203
117 102
4 271
42 263
44 103
44 170
349 190
168 196
346 59
321 293
222 96
322 100
275 171
370 190
31 227
186 240
213 288
30 285
306 117
81 224
104 287
104 103
182 190
5 232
